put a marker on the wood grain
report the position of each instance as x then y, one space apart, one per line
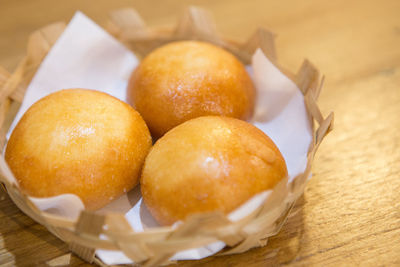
350 212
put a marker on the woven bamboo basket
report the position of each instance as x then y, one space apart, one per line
155 246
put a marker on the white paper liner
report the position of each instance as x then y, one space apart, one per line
85 56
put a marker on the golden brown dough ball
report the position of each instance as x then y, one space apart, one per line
208 164
79 141
188 79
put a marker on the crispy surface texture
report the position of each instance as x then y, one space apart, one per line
79 141
187 79
209 163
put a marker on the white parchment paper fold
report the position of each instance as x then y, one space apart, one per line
85 56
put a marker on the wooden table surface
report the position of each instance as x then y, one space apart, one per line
350 211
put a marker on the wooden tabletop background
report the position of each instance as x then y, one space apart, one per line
350 212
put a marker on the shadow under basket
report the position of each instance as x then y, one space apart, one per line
155 246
